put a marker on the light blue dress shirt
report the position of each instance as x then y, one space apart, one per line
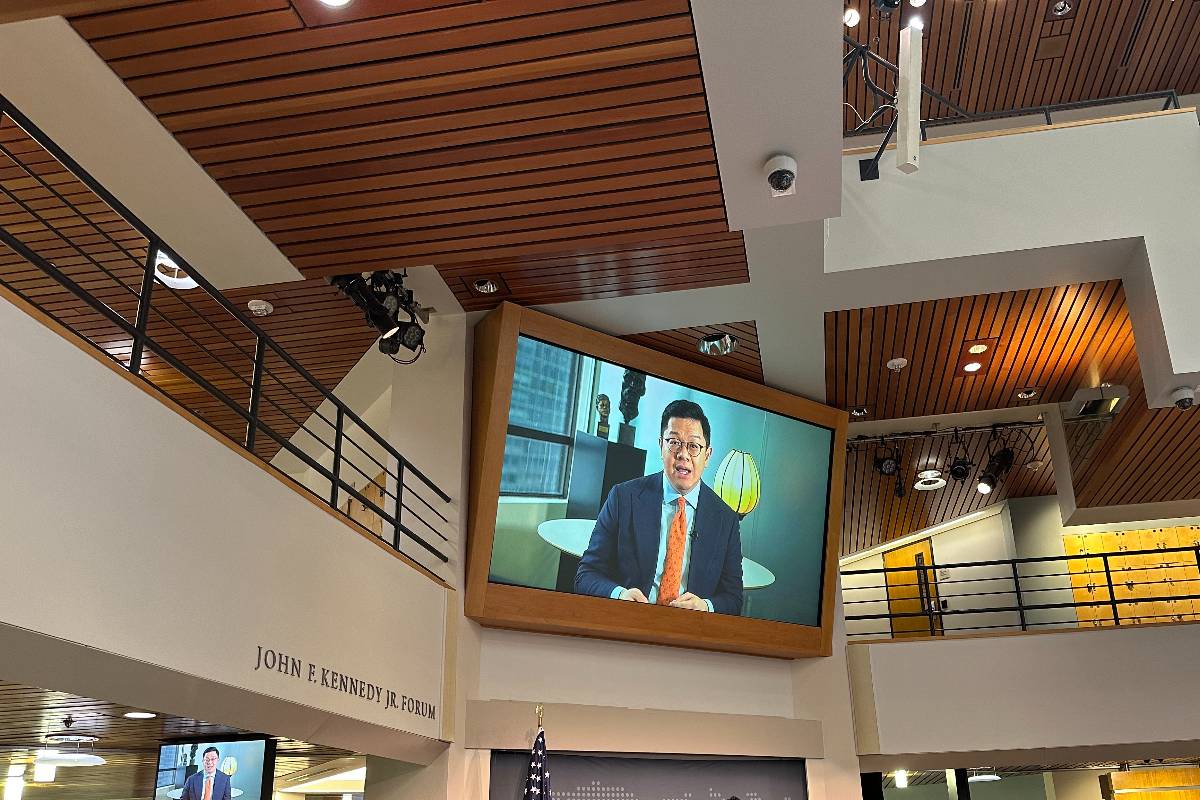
670 506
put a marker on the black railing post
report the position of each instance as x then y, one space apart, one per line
1046 111
143 310
336 479
1020 603
260 350
1112 593
398 527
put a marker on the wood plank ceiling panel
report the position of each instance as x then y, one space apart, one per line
1001 56
744 361
1057 340
130 747
56 216
564 147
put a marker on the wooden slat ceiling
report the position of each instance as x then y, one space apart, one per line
987 56
565 147
744 362
1058 340
50 211
130 747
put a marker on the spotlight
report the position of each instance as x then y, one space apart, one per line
383 298
851 17
1000 463
888 463
960 468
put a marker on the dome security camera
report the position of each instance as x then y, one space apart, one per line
1184 397
781 175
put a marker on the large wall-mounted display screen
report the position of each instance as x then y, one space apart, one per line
215 770
623 485
622 493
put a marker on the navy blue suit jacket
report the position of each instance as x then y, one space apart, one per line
623 550
193 787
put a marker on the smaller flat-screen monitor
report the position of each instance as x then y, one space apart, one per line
227 769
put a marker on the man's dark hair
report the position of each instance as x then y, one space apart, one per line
686 409
208 750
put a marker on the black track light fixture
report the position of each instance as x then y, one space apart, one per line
385 301
960 468
999 464
887 462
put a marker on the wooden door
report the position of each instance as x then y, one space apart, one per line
913 590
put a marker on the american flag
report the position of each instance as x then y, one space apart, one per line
537 785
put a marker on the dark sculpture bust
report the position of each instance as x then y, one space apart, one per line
633 386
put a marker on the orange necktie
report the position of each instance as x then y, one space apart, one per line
668 587
207 788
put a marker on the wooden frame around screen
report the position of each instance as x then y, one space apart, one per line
504 606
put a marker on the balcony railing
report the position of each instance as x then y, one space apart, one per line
72 249
1090 590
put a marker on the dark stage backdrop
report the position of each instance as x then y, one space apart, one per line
615 778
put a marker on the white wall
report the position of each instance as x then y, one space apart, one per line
55 78
128 530
1089 688
989 538
1078 784
865 594
1097 182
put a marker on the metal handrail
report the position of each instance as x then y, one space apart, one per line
141 340
1013 583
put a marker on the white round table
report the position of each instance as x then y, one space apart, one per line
571 536
175 794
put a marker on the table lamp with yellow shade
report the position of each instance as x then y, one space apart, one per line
738 483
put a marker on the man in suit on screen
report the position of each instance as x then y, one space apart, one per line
667 538
209 783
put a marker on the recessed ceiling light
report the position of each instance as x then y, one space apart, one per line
1061 9
1027 394
859 412
897 364
916 3
336 3
1035 464
929 479
901 778
972 366
718 344
851 17
140 714
486 286
260 308
170 273
976 349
